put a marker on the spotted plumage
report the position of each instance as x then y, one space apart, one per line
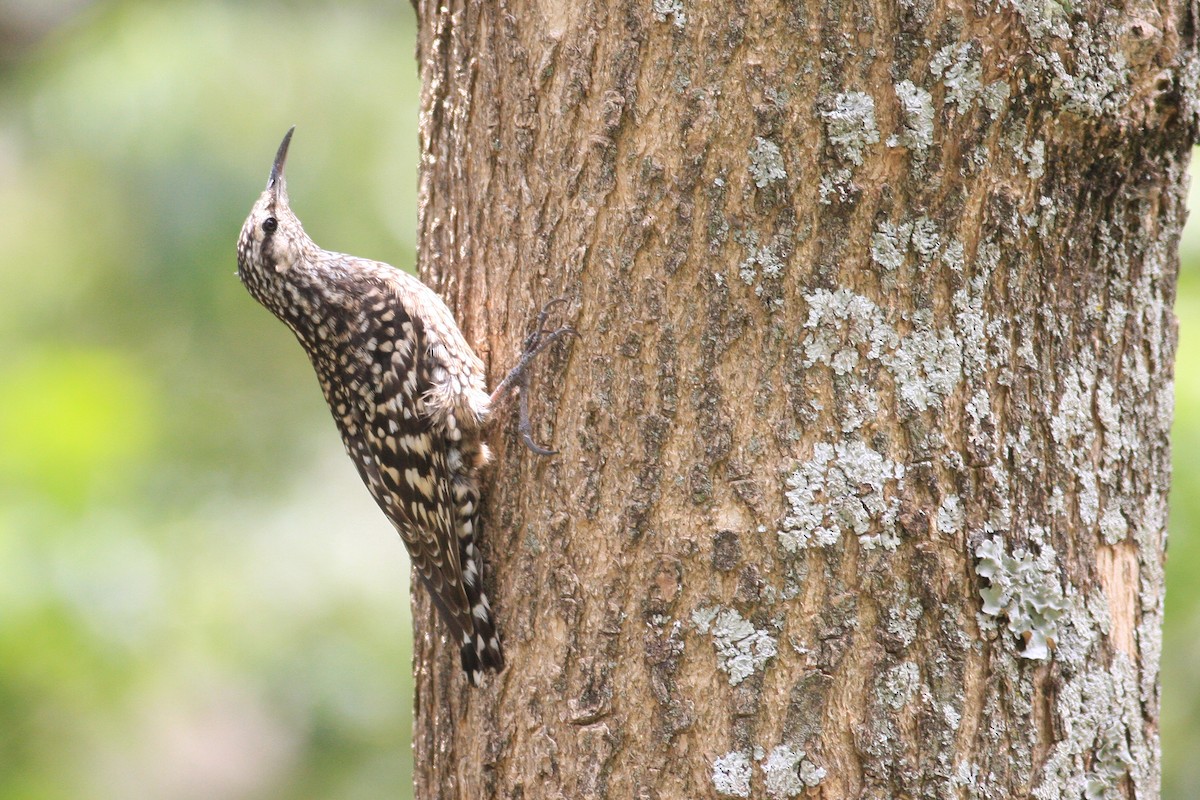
406 390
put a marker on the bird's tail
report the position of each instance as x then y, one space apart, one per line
479 644
480 649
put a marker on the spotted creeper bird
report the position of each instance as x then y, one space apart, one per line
408 395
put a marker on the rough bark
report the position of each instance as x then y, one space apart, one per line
864 448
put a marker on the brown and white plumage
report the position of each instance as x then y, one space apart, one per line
406 390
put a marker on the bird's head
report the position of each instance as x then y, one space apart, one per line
273 241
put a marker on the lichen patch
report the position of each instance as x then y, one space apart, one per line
1023 592
844 488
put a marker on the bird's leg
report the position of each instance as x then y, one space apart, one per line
518 377
524 425
537 341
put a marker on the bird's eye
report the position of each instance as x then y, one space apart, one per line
270 224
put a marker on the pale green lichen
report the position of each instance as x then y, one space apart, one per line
844 488
731 774
1025 352
844 327
901 620
926 240
1023 590
889 245
1073 424
960 71
1101 746
669 8
1111 765
766 163
1116 440
810 773
1035 157
1087 497
916 105
1114 323
954 256
839 324
764 259
995 97
969 321
787 772
850 125
837 185
703 618
927 366
764 262
951 715
899 685
1082 628
742 649
1044 17
1098 81
1149 640
951 516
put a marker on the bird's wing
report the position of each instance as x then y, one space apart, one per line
407 454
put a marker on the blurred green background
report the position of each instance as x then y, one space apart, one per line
197 598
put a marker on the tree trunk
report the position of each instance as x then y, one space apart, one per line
862 490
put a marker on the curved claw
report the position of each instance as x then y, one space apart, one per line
545 312
536 448
525 426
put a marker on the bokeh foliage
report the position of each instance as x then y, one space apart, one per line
197 597
1181 631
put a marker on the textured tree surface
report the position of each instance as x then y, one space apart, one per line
864 460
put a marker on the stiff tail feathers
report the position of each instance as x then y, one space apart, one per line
480 649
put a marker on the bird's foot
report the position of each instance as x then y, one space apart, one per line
518 377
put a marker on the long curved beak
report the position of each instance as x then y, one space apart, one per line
275 180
